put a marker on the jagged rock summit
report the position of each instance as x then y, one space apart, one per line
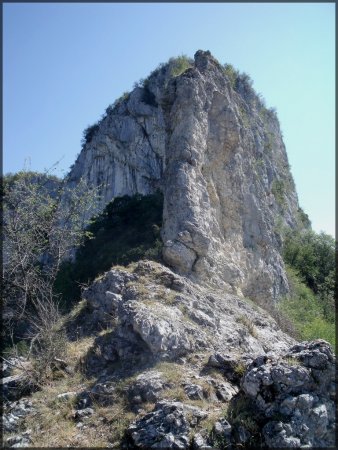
199 133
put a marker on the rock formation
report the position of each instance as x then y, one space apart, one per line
224 351
209 144
174 356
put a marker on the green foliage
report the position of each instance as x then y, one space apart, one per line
176 67
312 255
303 219
128 230
179 65
43 219
232 74
89 133
311 272
279 190
242 412
148 97
240 80
245 79
307 312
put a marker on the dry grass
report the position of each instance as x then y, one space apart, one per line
57 428
172 372
78 349
176 394
77 310
213 416
248 323
53 423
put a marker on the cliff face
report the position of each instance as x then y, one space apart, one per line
204 139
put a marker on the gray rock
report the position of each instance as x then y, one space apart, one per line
292 390
81 414
103 392
200 443
217 155
152 321
15 386
225 391
66 396
147 387
13 414
84 400
194 392
222 428
20 440
179 255
168 426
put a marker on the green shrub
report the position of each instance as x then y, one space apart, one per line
148 97
312 255
278 190
179 65
89 133
320 328
232 74
307 312
127 230
303 219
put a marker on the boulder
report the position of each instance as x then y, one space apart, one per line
168 426
298 390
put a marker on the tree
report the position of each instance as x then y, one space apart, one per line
313 257
43 221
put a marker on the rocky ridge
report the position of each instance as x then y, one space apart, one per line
180 356
227 351
197 369
217 154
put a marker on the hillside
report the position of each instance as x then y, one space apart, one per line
181 326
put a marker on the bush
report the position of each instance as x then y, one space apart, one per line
312 255
232 74
127 230
89 133
307 311
148 97
43 220
278 190
179 65
303 219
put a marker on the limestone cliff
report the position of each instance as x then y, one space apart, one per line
205 139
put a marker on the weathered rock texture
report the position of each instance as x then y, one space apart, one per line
161 315
295 396
217 154
188 350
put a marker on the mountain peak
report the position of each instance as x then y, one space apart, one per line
198 132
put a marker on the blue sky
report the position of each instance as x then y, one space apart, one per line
65 63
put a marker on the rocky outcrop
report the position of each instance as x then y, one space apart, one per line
162 315
209 144
295 396
223 350
192 367
168 426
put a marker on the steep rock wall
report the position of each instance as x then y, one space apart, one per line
218 156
